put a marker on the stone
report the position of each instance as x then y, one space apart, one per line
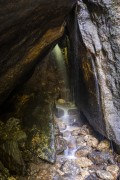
61 125
104 175
61 101
66 134
92 176
61 173
99 95
81 144
42 144
84 162
91 141
84 173
83 151
75 132
80 141
72 143
11 157
103 145
61 145
57 130
87 129
79 177
82 131
101 157
71 167
114 170
12 178
12 131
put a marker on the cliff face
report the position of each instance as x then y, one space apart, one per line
99 23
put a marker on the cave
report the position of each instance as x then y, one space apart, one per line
59 90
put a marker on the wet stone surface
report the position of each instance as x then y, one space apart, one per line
81 156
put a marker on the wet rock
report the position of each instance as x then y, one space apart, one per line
41 144
91 141
80 138
84 173
11 157
57 177
61 101
61 125
12 140
92 176
79 177
83 151
104 175
61 145
114 170
84 162
12 131
66 134
80 141
103 145
61 173
57 130
81 131
96 167
80 144
71 167
72 143
75 132
87 129
101 157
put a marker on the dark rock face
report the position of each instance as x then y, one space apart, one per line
99 39
28 28
11 139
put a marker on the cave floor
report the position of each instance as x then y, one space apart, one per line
85 157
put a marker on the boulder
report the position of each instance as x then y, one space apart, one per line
99 59
104 146
101 157
70 167
61 145
84 162
105 175
114 170
83 151
11 157
91 141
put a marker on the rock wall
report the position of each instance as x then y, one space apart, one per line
28 29
99 23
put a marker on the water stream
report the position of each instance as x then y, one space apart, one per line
68 115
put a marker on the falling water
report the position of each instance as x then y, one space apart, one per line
61 64
69 120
